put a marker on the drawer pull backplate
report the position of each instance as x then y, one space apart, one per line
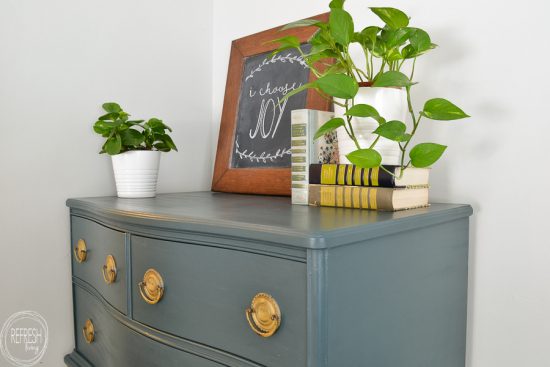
152 287
80 251
264 315
109 269
88 331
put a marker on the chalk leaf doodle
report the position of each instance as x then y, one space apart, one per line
262 134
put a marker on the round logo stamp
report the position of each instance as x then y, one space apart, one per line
24 338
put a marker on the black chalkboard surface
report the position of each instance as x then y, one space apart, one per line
262 133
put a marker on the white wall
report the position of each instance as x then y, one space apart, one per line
59 61
491 62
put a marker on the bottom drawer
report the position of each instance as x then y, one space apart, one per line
116 345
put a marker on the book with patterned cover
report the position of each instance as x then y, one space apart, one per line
305 151
374 198
350 175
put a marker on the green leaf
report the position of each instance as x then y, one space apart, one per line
169 142
109 116
134 122
392 79
420 40
318 48
319 37
393 130
101 128
365 110
288 41
113 124
156 124
123 116
297 90
326 54
426 154
370 33
285 43
379 48
394 18
301 23
341 26
113 145
329 126
365 158
111 107
162 147
395 37
394 55
338 85
336 68
336 4
441 109
131 137
408 52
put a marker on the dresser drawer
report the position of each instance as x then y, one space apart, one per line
208 289
116 345
105 247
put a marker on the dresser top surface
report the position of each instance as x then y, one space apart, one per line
263 217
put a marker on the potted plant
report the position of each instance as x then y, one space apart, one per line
371 103
134 147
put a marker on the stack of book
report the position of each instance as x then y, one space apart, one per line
318 179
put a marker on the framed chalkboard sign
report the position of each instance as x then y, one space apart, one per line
253 153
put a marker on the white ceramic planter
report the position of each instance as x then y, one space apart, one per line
391 103
136 173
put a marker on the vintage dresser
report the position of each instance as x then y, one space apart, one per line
209 279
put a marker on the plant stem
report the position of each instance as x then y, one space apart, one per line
385 169
416 122
367 64
371 66
412 72
351 133
401 65
330 99
374 142
381 68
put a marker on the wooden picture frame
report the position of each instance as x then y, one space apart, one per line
266 181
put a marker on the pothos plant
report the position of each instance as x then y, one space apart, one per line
387 50
123 135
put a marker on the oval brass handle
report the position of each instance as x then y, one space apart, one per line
264 315
109 269
80 251
88 331
152 287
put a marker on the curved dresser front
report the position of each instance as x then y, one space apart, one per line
206 279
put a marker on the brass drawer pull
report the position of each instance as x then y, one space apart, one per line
264 315
88 331
152 287
80 251
109 269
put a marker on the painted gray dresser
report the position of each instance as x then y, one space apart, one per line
209 279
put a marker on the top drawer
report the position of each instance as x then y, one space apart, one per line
207 290
100 259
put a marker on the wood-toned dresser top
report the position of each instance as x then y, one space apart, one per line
261 217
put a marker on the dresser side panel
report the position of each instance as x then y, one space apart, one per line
400 300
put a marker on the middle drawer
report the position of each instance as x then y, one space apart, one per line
207 290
